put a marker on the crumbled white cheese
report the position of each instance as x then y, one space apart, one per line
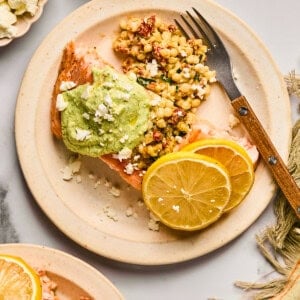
125 153
183 53
115 191
123 96
67 85
108 84
108 101
107 183
114 76
129 169
67 173
61 104
72 168
91 176
132 76
156 100
78 179
186 73
97 183
160 199
86 116
176 208
153 223
178 139
152 68
127 87
129 211
124 138
110 213
199 89
75 166
87 92
136 157
101 111
140 203
82 134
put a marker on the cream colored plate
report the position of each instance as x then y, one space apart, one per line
74 277
24 23
78 209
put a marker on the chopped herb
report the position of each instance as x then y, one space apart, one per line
166 79
144 81
197 77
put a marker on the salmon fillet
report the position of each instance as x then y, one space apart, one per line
76 66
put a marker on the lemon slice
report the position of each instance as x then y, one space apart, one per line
185 190
235 159
18 280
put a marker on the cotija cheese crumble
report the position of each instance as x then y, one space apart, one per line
161 59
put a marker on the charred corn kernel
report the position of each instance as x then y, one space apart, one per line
173 60
192 59
196 103
190 118
173 52
161 123
148 48
134 50
182 79
123 24
124 34
168 112
186 104
148 138
183 127
160 112
165 53
176 77
141 56
185 88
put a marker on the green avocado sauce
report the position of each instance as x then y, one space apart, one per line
105 117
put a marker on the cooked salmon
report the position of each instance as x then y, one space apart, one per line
76 66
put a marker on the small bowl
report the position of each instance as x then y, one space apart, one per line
24 23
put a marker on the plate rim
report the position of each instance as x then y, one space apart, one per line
37 194
89 270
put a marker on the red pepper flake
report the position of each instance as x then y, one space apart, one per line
172 28
147 26
157 136
178 114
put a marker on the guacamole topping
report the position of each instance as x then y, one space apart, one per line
109 116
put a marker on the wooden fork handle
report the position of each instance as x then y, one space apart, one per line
268 152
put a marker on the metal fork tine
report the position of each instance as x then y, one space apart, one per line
204 36
182 29
195 34
212 36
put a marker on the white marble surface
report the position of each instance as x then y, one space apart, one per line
277 23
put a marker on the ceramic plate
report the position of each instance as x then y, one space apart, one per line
88 212
24 23
74 277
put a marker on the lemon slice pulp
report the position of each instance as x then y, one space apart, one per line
235 159
186 191
18 280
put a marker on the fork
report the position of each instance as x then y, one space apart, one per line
219 60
